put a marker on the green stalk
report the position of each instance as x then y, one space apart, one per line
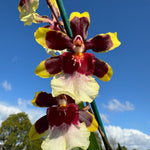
101 128
64 17
97 116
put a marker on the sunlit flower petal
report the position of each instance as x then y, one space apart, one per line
80 87
49 67
64 138
53 39
102 70
43 99
79 24
103 42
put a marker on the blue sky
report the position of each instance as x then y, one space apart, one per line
123 102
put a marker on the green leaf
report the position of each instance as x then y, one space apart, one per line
81 105
94 145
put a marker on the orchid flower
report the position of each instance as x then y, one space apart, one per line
64 126
27 9
73 70
28 15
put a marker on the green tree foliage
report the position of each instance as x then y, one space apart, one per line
121 147
14 133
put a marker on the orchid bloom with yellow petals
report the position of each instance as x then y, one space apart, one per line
64 126
73 70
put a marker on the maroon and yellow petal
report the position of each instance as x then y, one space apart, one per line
49 67
53 39
103 42
79 24
89 120
43 99
39 128
102 70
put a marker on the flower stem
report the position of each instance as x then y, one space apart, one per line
64 17
101 127
60 26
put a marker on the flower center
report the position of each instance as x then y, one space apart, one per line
77 57
78 44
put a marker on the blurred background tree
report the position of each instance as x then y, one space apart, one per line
121 147
14 133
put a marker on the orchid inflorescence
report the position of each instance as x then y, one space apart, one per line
65 126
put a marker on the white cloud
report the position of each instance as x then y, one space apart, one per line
23 103
130 138
33 113
115 105
104 118
6 85
6 110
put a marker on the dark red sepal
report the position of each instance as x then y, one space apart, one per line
99 43
101 68
53 64
45 100
58 41
79 26
42 125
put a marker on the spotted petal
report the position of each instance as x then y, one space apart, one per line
67 138
49 67
80 87
53 39
39 129
79 24
103 42
43 99
89 120
102 70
